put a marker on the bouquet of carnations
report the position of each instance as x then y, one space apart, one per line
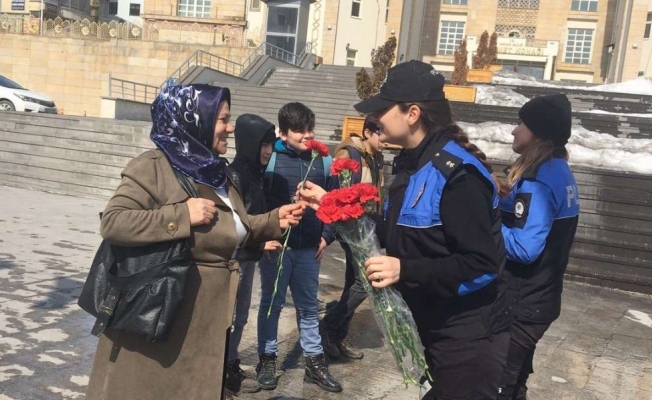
346 209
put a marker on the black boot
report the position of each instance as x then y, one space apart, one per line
347 350
328 343
236 381
266 372
317 372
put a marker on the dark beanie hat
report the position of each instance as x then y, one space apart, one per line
548 117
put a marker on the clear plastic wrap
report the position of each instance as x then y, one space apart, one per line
391 312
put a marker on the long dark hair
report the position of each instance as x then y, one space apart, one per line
437 119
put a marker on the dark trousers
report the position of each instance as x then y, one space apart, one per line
338 318
524 339
467 369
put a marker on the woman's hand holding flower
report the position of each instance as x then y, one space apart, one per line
383 271
290 215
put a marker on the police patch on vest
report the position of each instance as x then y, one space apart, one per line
519 208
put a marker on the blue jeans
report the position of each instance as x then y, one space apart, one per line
301 274
242 304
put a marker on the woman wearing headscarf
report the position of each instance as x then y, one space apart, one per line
190 128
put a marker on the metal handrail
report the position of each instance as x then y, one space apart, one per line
129 90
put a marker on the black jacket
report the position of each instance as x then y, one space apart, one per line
281 186
540 218
442 221
247 172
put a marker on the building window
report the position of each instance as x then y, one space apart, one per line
584 5
195 8
255 5
455 2
134 10
648 24
350 57
387 12
355 8
113 8
450 37
529 4
578 46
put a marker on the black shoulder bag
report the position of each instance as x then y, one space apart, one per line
138 289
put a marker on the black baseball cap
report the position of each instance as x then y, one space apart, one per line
412 81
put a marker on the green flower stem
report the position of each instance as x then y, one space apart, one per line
279 261
279 265
405 344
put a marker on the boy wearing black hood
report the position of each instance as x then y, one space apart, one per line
254 139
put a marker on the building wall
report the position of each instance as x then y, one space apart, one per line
363 33
75 72
645 65
256 23
552 22
30 6
222 11
394 20
330 30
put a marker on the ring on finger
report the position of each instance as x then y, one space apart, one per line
379 278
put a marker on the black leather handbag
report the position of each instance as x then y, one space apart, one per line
138 289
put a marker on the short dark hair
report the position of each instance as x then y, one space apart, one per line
269 137
370 124
296 117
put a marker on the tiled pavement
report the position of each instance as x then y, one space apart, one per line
600 348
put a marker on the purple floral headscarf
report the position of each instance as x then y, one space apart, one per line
183 127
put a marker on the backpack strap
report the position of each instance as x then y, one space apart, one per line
268 176
327 161
357 157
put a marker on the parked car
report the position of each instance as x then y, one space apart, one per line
14 97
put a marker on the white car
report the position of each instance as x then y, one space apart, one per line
14 97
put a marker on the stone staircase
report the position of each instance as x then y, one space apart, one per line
329 91
71 155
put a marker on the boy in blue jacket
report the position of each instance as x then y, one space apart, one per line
307 242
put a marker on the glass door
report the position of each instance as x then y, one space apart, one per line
282 27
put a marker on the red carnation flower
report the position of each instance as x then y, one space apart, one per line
317 146
353 211
329 214
346 195
341 164
366 192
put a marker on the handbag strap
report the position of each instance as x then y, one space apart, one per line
186 183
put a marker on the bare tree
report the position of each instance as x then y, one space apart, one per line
382 59
461 68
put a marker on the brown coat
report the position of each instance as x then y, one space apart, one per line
148 207
366 176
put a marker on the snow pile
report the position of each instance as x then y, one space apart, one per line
513 78
640 85
586 148
595 111
498 96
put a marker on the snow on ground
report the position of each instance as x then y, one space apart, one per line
586 148
498 96
621 114
640 85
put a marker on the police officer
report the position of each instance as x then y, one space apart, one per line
540 217
441 228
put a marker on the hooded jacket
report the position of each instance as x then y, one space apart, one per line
371 165
247 172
